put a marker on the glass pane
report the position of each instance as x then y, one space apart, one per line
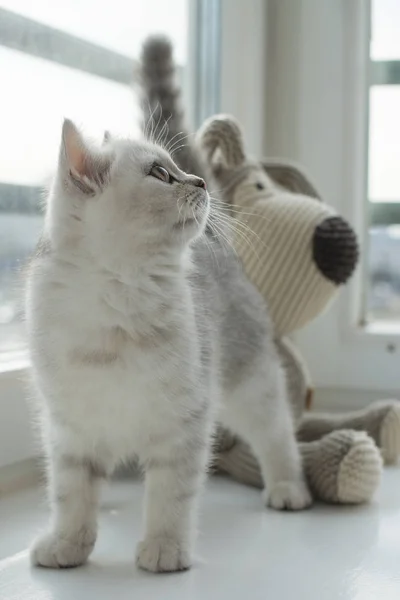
120 25
385 40
383 268
36 94
384 143
55 91
18 236
384 273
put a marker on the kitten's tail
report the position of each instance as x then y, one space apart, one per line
163 116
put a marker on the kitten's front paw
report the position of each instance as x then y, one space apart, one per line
57 552
289 495
162 555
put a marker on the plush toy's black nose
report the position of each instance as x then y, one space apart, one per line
335 249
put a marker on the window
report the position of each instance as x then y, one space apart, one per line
383 269
77 59
72 59
323 67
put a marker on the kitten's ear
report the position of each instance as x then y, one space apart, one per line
75 150
87 169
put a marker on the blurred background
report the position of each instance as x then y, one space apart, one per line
383 191
77 59
74 59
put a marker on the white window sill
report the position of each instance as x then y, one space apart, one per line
244 550
16 432
386 328
11 362
17 437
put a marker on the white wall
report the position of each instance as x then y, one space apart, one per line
243 67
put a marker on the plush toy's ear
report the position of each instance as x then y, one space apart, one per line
290 177
86 168
220 140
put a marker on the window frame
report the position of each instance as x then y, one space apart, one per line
16 436
325 80
43 41
380 73
46 42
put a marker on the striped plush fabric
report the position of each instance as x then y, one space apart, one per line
297 252
277 249
294 248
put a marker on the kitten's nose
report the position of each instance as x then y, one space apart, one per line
199 182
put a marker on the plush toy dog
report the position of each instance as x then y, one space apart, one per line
298 253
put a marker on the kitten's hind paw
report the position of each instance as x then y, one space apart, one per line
57 552
162 555
289 495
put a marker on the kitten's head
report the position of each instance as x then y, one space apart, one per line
123 199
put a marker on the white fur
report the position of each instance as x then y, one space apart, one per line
116 358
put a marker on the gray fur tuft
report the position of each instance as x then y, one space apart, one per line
161 102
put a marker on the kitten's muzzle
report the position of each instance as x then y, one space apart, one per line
197 182
197 199
201 183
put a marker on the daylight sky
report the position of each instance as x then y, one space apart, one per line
37 94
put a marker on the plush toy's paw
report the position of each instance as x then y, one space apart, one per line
360 470
289 495
389 435
57 552
343 467
162 555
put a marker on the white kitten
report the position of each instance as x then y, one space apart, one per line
135 331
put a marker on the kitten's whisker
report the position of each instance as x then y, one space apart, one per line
171 141
176 149
184 137
224 241
147 119
243 238
237 211
243 224
171 144
178 202
160 116
163 132
165 136
151 123
220 233
209 243
219 191
237 225
242 231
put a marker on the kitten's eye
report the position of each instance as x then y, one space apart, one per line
259 185
160 173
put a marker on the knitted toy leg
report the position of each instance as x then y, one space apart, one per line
343 467
381 420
